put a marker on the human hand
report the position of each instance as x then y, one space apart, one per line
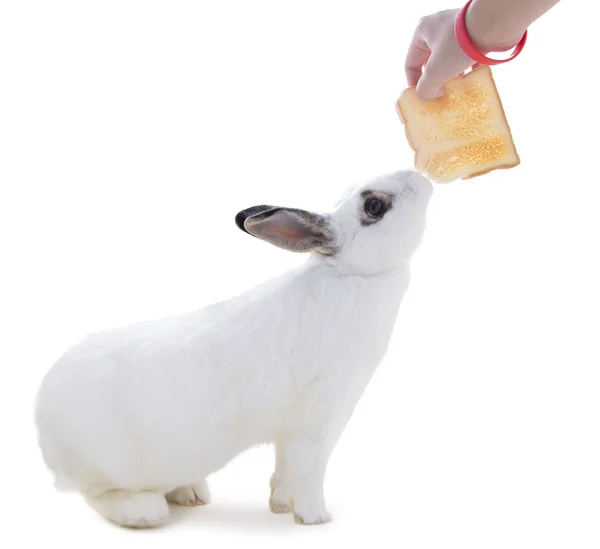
434 55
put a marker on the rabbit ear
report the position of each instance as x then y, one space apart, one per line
241 217
290 229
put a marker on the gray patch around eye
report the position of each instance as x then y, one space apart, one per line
388 200
366 193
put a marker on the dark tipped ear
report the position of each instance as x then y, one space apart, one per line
241 217
290 229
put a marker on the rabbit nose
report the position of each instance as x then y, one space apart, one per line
424 185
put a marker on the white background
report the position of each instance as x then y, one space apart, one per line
131 132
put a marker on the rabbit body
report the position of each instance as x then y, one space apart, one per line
129 416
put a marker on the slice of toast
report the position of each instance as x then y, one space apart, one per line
461 135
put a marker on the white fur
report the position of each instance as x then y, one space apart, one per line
130 415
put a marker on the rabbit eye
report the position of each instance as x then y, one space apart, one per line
374 207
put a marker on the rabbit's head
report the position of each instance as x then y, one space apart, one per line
375 227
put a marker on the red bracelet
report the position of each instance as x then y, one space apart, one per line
465 42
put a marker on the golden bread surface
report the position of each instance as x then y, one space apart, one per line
462 134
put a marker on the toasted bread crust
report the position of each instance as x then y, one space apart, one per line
406 132
475 122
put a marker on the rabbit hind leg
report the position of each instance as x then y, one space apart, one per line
144 509
190 495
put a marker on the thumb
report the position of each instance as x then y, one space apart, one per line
435 75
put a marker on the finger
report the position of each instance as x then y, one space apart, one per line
436 73
416 58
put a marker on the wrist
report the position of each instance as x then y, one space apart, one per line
493 25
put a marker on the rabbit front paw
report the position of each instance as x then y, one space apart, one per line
309 507
311 517
279 502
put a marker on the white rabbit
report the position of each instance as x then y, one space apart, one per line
137 417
